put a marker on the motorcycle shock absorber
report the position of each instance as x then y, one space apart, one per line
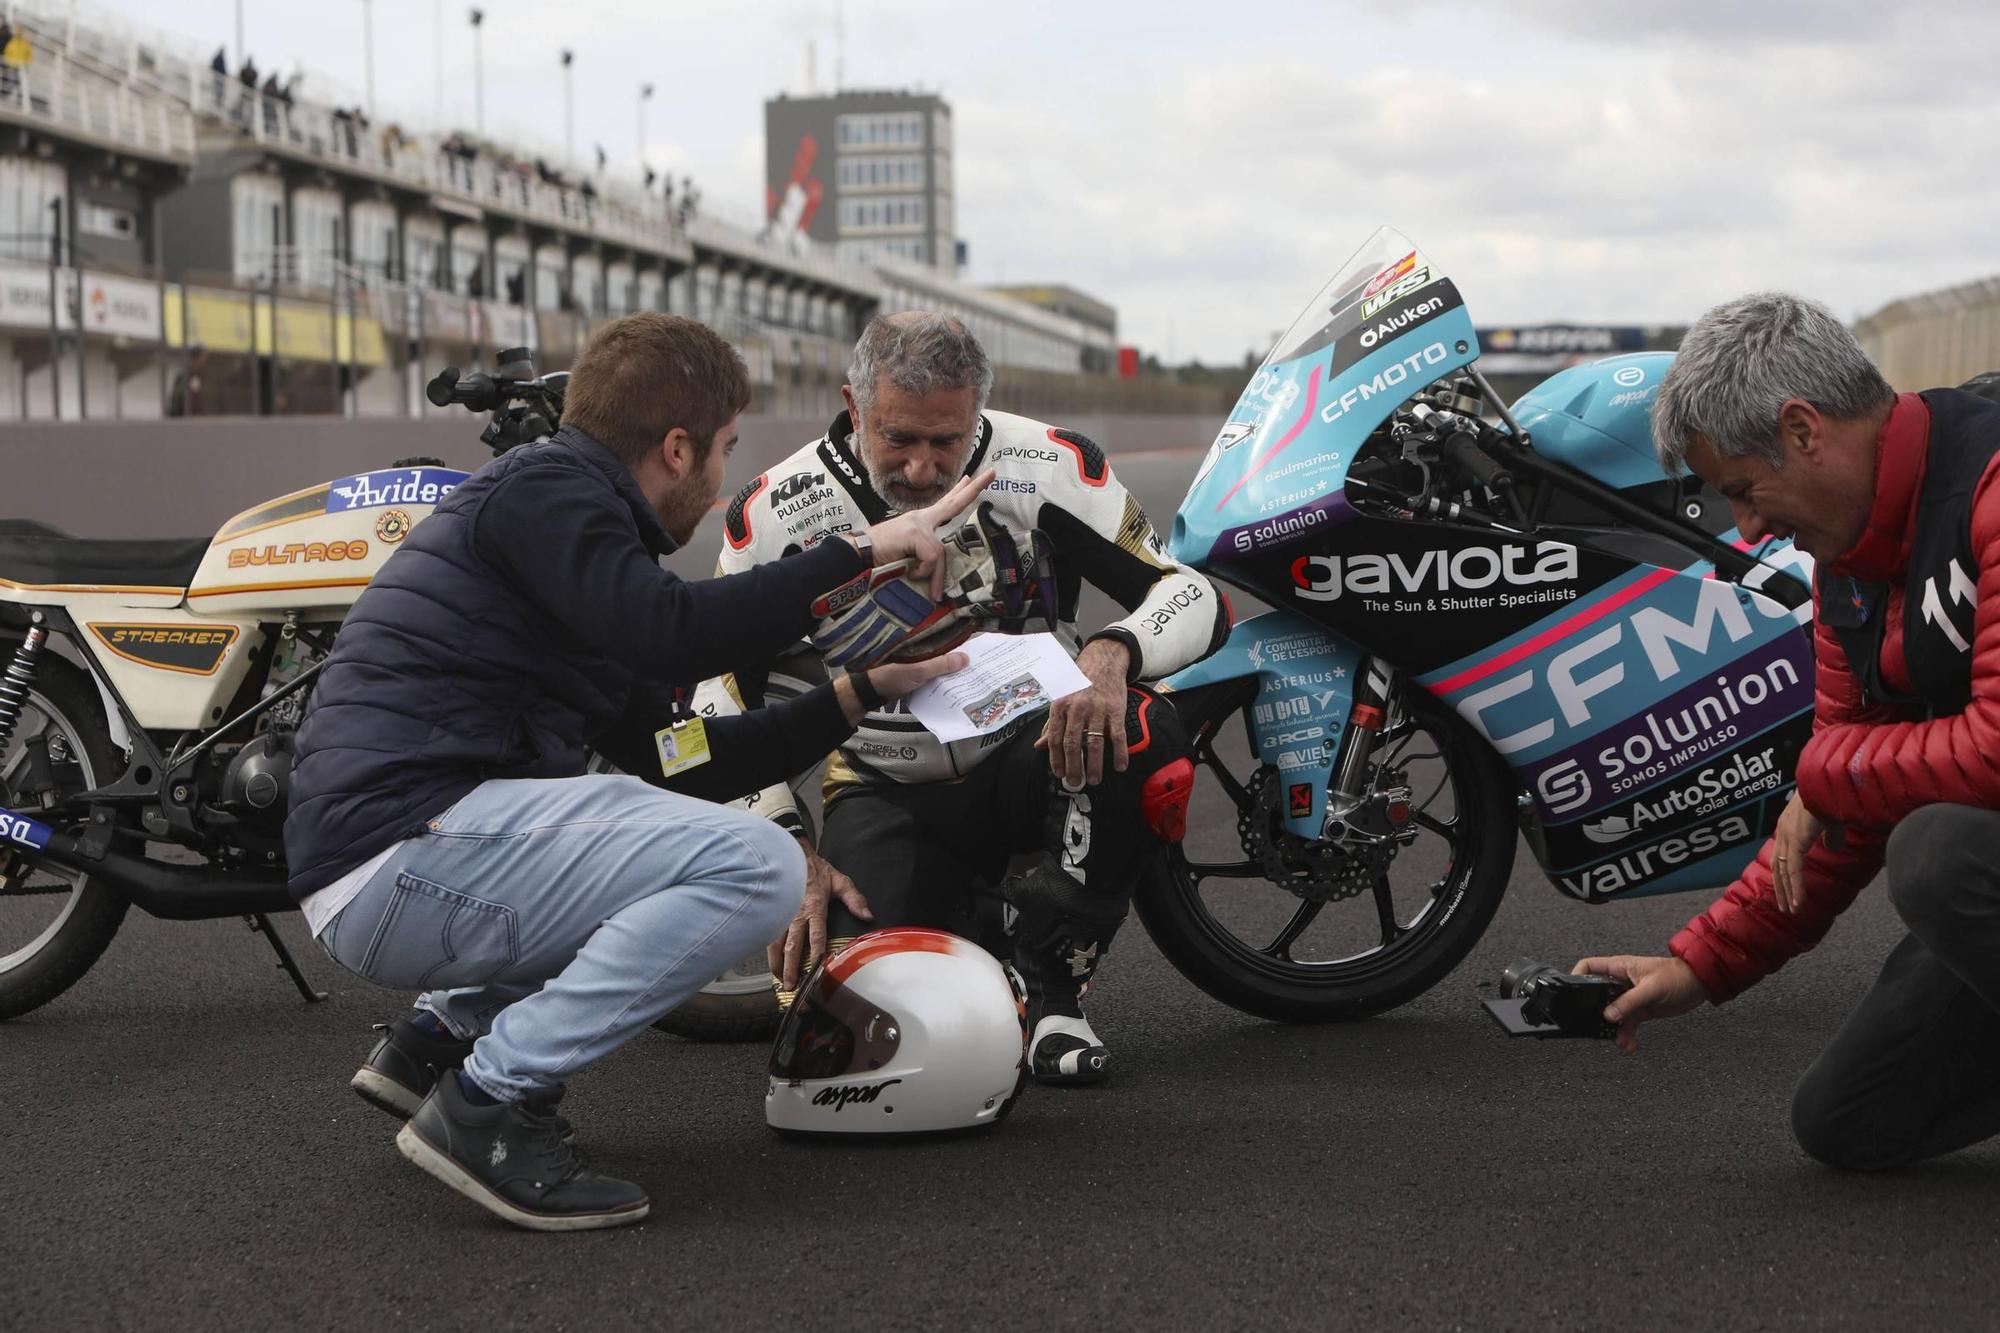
1377 680
19 676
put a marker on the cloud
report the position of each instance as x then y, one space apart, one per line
1205 169
1681 165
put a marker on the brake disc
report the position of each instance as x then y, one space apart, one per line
1315 869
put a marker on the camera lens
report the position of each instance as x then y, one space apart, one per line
1520 975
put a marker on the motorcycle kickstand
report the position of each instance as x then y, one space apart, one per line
262 924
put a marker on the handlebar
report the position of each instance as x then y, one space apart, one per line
480 392
1461 450
525 406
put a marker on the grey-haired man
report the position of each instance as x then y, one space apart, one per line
919 826
1897 498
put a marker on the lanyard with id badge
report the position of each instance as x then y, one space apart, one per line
683 743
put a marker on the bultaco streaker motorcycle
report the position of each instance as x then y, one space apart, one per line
150 690
1485 619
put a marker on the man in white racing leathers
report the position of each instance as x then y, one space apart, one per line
926 829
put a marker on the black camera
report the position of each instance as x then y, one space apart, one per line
1537 1000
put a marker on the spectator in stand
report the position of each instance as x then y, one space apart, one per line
9 77
15 55
247 76
184 399
218 84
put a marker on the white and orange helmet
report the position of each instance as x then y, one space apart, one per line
903 1031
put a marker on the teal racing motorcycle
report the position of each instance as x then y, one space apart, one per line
1487 620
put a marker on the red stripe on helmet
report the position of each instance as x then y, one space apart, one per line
881 943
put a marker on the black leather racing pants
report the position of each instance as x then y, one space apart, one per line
938 854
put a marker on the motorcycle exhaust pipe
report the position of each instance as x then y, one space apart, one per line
170 892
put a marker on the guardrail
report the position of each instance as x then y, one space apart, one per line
53 91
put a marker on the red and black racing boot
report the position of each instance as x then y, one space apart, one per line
1060 936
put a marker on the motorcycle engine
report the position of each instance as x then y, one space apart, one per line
251 784
258 781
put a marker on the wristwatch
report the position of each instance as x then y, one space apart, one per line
865 546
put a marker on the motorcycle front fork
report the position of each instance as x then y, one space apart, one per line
1351 801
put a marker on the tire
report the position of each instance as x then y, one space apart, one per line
1407 957
740 1005
48 940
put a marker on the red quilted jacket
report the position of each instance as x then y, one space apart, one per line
1866 768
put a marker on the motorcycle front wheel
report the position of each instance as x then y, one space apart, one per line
1340 937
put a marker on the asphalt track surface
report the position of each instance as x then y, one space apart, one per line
179 1149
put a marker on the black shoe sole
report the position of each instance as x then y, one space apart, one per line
440 1165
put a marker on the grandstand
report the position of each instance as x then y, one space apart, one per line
171 239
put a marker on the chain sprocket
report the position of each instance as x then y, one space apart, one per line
1312 868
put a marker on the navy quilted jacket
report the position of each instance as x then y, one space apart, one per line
517 624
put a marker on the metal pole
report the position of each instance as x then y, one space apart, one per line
187 352
55 346
478 74
569 109
82 348
335 363
368 50
437 65
645 96
160 272
239 34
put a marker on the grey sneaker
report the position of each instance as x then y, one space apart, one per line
404 1066
513 1161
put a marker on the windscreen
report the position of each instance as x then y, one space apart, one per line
1385 325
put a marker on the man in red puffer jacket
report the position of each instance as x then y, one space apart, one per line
1771 401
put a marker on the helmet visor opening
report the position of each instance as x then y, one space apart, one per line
832 1032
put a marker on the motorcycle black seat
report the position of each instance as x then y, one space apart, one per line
33 552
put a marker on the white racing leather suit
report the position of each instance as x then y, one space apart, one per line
1047 478
913 820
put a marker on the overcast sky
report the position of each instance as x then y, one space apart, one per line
1562 159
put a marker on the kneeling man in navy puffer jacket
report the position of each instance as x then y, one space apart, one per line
443 833
1897 498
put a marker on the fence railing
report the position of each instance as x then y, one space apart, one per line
1938 338
54 91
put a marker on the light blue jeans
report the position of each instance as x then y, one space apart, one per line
553 920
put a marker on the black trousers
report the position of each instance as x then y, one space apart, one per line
1915 1070
933 854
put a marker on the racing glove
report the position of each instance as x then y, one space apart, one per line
993 576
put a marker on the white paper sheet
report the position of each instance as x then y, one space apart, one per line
1011 674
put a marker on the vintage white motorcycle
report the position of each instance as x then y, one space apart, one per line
149 696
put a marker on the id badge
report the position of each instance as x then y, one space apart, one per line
682 746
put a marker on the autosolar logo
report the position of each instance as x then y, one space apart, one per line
399 486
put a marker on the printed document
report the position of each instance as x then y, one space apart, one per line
1011 674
